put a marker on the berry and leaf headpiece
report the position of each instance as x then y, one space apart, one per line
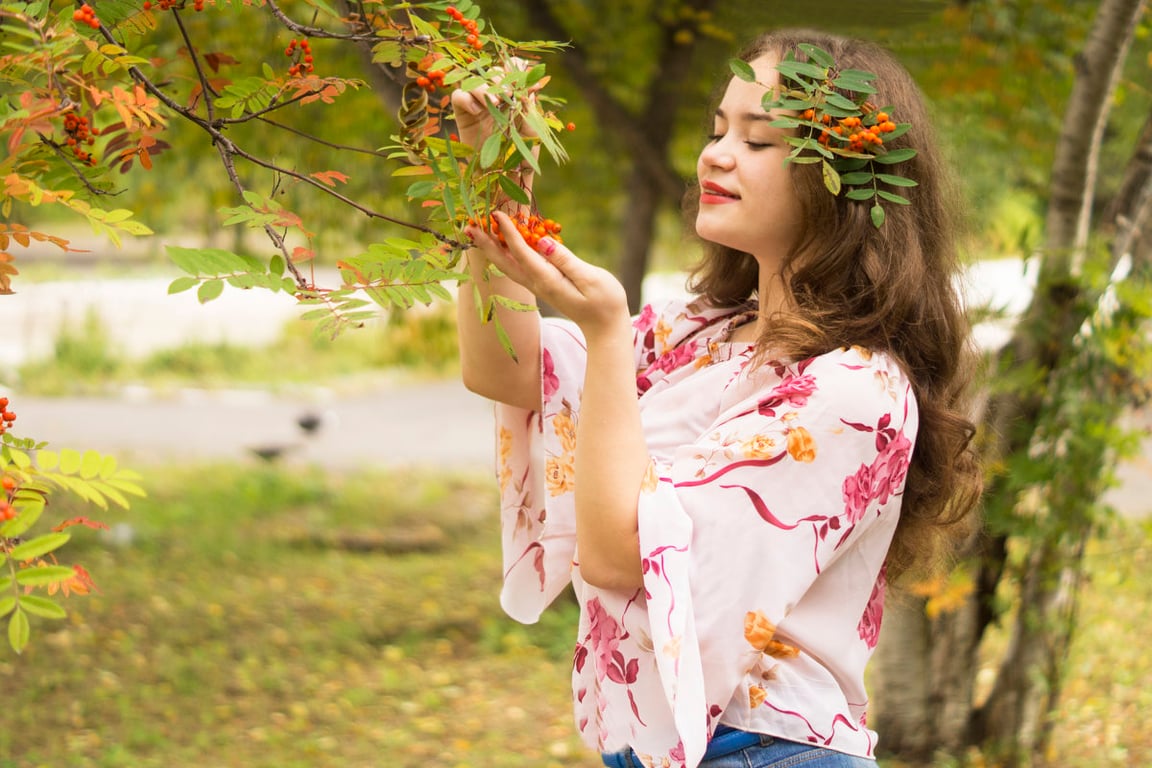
847 136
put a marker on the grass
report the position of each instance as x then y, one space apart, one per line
85 360
228 633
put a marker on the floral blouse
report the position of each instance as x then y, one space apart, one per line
764 521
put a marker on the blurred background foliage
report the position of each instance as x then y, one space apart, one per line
996 72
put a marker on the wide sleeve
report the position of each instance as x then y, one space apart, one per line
536 455
793 480
536 474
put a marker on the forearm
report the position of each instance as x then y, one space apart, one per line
486 367
611 459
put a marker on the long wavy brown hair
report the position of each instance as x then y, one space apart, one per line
887 289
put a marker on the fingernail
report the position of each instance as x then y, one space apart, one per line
546 246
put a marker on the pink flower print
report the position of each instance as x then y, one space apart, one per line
603 636
890 468
646 319
676 357
869 626
793 390
551 380
857 492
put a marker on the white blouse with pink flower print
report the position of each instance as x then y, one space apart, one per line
765 519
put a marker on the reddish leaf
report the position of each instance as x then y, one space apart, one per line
331 177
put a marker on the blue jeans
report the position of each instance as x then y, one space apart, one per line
771 752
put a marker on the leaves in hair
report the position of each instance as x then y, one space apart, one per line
838 127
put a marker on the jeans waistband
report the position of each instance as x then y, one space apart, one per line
724 741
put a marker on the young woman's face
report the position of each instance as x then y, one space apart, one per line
747 200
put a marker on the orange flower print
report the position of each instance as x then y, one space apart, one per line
560 475
801 446
651 479
565 428
761 633
756 696
759 447
505 453
661 333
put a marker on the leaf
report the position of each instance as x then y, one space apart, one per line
90 464
896 181
817 54
831 177
330 177
18 631
39 546
895 156
842 102
877 216
799 70
70 460
210 289
514 190
412 170
490 150
43 575
860 194
892 197
856 177
742 70
181 284
7 605
41 606
47 460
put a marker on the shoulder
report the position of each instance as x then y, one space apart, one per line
850 383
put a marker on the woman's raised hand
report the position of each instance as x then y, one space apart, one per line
590 296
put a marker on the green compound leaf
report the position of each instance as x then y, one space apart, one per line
860 194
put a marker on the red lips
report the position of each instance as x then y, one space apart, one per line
713 192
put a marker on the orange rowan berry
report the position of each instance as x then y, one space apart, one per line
9 483
809 114
570 126
881 117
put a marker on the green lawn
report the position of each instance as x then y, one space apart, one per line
267 617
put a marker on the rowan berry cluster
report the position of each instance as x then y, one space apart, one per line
532 227
6 416
80 133
431 80
470 27
303 65
859 134
7 511
85 15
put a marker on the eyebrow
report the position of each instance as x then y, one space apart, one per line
750 116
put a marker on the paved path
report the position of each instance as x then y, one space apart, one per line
428 424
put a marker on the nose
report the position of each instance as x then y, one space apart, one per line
715 154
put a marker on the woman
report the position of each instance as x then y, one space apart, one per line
730 482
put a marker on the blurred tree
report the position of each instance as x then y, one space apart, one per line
1078 358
